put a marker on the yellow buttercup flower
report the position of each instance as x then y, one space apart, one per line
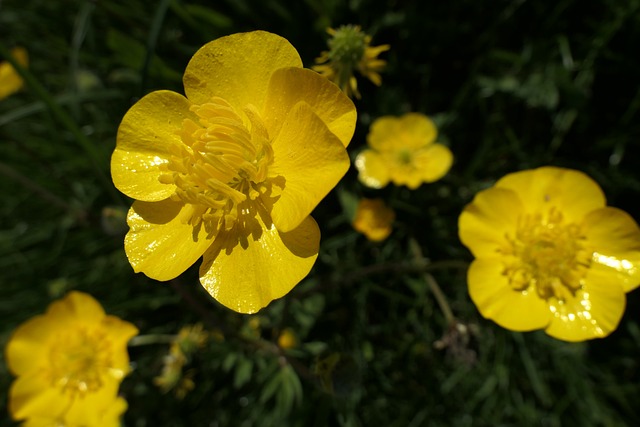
350 50
403 151
10 80
69 364
374 219
233 170
549 254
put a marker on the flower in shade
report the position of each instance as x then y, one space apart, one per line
69 364
10 80
403 151
374 219
549 254
232 171
350 50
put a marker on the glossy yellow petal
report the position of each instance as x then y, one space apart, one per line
496 300
10 80
144 137
247 272
433 162
310 159
488 219
594 312
571 192
372 168
289 86
615 237
238 68
161 243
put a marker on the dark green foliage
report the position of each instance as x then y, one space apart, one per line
511 84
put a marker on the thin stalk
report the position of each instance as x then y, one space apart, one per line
440 297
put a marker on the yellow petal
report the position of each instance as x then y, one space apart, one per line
91 409
238 68
409 132
496 300
161 243
488 219
119 333
289 86
32 396
572 192
144 137
593 313
373 170
75 307
311 160
25 349
245 273
10 80
433 162
615 238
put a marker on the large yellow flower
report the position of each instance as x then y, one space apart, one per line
550 254
403 151
69 364
233 170
10 80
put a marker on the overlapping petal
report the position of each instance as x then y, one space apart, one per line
488 219
247 274
616 238
593 313
238 68
497 300
289 86
147 131
161 242
311 159
571 192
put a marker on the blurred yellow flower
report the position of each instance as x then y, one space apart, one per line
403 151
287 339
550 254
233 170
10 80
69 364
350 50
374 219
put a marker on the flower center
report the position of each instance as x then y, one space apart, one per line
549 255
79 360
220 168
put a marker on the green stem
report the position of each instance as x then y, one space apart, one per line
441 299
151 339
65 120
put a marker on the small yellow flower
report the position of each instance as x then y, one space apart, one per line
403 151
69 364
287 339
233 170
550 254
350 50
10 80
374 219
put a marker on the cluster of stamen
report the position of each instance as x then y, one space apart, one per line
220 167
547 255
79 361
